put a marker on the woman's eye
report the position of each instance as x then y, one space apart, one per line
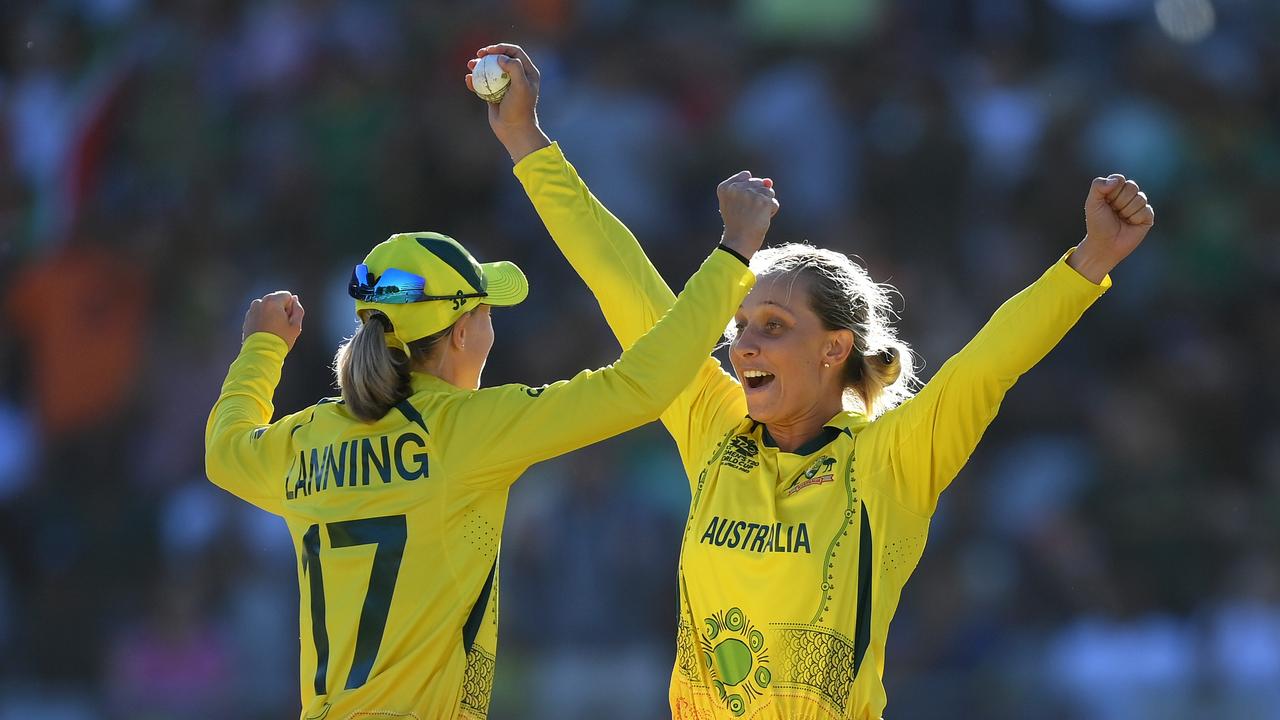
773 324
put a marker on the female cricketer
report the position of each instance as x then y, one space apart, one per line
395 493
814 475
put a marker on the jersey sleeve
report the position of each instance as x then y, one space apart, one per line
919 447
496 432
631 293
245 453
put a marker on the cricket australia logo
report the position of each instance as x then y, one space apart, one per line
819 473
741 454
735 657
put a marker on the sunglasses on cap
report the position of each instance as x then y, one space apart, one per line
396 286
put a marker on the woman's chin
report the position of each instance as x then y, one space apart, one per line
759 409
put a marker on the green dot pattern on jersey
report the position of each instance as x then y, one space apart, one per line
733 661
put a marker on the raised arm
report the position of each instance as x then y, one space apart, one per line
494 433
631 293
599 247
243 452
916 449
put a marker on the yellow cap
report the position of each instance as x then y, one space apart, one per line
450 272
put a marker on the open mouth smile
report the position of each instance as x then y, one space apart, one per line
756 379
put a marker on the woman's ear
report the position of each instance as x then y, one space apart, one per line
458 338
838 346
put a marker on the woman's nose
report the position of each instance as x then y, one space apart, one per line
744 346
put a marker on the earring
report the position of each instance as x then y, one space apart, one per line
826 364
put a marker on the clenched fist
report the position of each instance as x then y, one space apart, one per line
1117 217
279 313
747 206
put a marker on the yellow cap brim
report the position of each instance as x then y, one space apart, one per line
505 283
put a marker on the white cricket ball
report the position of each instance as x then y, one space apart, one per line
489 79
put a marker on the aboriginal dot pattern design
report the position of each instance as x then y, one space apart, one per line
734 655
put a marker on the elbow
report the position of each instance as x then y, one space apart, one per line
212 470
649 401
214 448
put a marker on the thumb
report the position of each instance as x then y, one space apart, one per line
1102 189
296 311
736 177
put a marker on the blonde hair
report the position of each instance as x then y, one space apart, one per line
880 372
374 377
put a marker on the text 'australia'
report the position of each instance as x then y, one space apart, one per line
356 462
757 537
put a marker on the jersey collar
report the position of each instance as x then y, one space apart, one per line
426 382
844 423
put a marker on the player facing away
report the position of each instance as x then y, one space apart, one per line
395 493
814 475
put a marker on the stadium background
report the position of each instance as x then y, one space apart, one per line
1111 551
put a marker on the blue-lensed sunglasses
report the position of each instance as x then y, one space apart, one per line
396 286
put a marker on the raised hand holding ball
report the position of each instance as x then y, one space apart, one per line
514 119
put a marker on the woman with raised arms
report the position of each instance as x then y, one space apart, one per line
814 475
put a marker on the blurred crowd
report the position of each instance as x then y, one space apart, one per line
1111 551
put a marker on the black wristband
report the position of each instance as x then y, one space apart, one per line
734 253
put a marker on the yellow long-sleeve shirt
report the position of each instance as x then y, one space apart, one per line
793 562
397 523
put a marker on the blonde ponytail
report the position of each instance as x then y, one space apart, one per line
374 377
881 384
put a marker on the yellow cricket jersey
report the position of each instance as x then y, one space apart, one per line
397 523
793 562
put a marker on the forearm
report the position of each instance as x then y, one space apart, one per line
1091 265
242 452
600 248
929 438
597 404
664 360
1031 323
523 141
245 400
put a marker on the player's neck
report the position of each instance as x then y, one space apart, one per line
792 433
448 368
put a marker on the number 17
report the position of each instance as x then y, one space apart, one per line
389 534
